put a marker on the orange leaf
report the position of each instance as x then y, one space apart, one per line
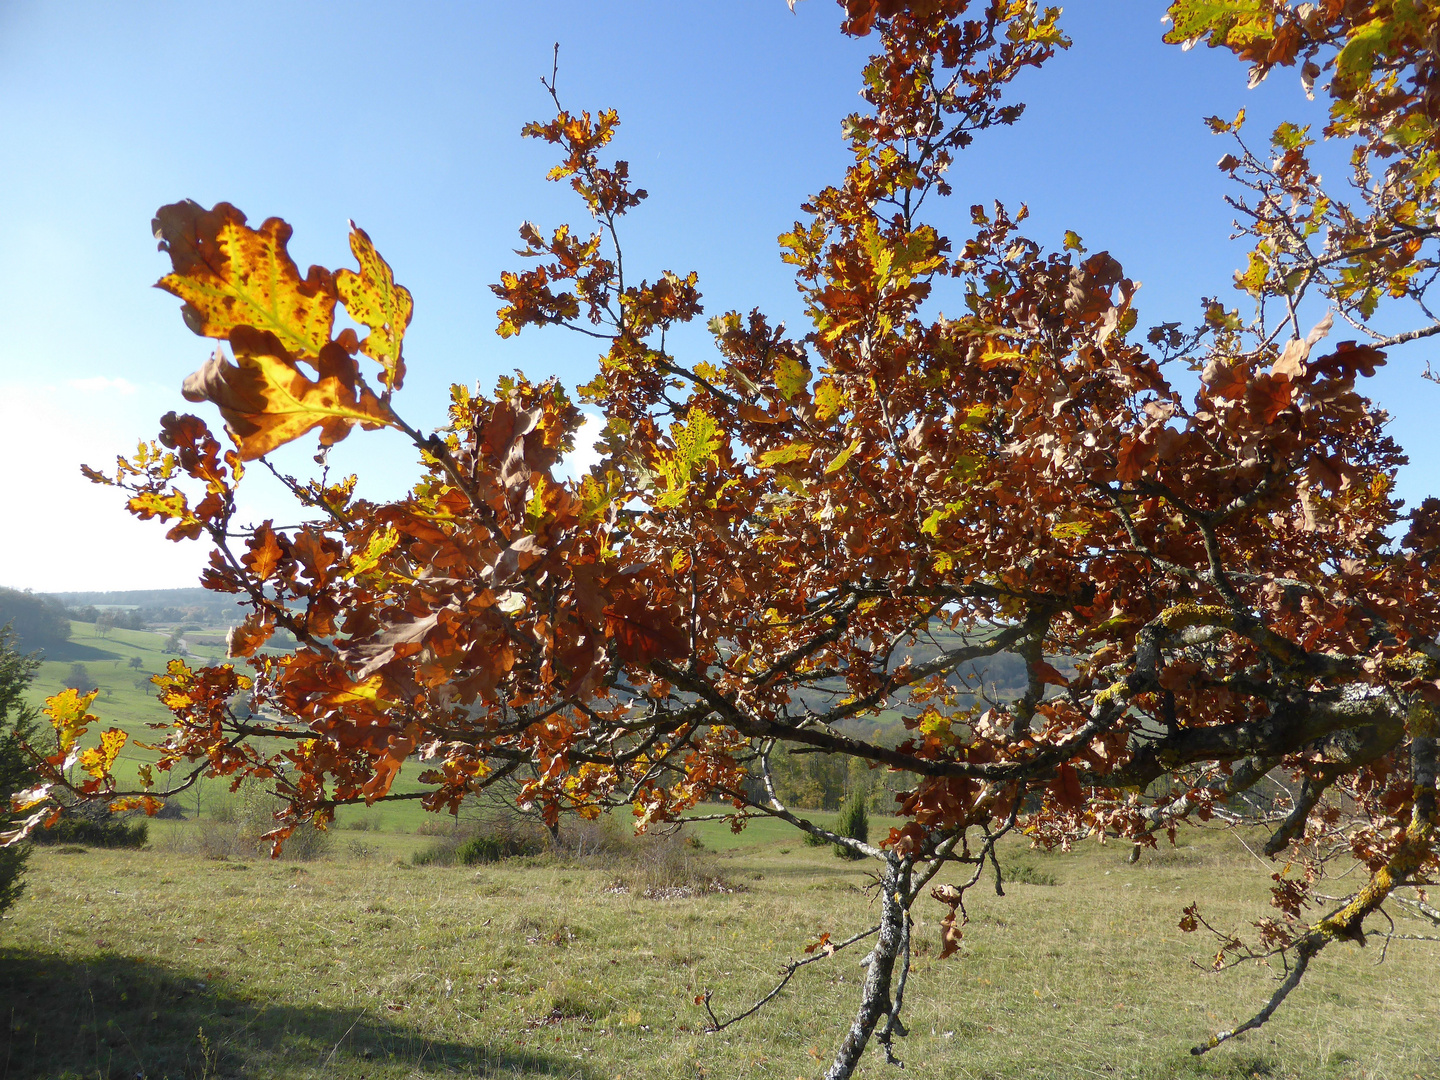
1049 675
950 935
267 401
265 552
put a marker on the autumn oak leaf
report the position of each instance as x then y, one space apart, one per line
231 275
642 634
372 299
267 400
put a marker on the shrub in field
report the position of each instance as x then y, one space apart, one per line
235 828
93 825
854 824
1186 536
495 837
668 868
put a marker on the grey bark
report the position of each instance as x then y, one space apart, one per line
875 1001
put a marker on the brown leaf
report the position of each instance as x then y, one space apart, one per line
642 634
1049 675
950 935
401 639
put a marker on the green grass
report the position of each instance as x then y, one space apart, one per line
127 698
115 963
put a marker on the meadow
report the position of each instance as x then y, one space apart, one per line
162 963
188 960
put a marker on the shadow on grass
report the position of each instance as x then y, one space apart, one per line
73 650
113 1017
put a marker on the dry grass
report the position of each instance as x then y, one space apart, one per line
167 964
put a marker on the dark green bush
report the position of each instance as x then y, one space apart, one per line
504 836
17 722
855 823
492 847
94 826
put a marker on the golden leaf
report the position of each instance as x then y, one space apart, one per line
374 300
796 451
843 458
828 400
230 275
98 760
69 714
381 542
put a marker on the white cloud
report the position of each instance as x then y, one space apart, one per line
99 384
585 455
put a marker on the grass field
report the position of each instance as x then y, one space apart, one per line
158 963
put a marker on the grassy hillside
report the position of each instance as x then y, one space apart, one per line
127 698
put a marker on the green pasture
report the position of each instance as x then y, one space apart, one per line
160 963
127 698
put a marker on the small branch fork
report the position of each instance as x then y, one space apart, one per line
787 973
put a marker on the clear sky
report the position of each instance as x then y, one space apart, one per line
407 117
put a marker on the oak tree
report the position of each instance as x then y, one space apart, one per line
1187 535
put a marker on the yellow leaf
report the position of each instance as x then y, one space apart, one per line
230 275
98 760
267 400
844 457
374 300
789 452
369 690
69 715
1069 530
828 399
173 504
697 443
791 376
380 543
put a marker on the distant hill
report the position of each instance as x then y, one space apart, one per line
195 597
38 621
161 605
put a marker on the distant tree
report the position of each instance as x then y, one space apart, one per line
104 623
136 663
79 678
89 613
38 621
17 724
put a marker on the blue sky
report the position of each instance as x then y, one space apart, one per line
406 118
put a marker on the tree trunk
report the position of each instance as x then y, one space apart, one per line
875 1001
